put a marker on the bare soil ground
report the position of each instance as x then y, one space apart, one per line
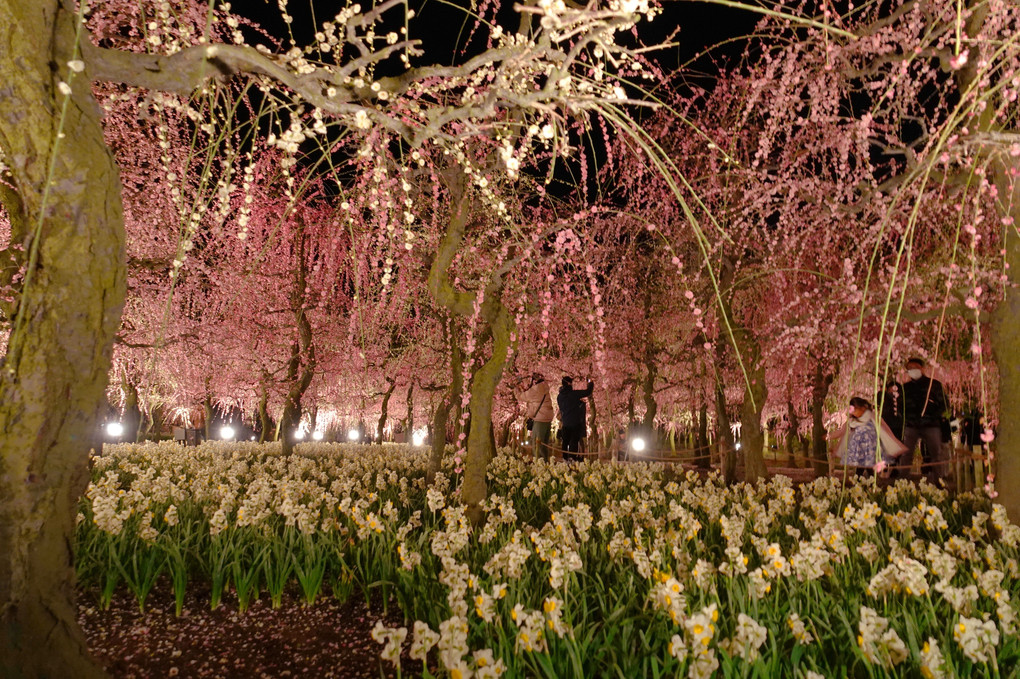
325 639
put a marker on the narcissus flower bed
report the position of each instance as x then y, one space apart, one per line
578 571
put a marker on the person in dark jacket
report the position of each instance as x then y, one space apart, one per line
924 406
893 417
573 416
892 408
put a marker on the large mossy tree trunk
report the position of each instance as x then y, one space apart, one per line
62 193
480 443
493 320
1006 347
1003 170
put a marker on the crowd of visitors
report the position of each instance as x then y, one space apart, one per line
573 410
914 414
914 411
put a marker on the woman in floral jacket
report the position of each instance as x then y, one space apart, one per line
861 437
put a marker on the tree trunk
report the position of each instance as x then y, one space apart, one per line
702 449
207 411
727 446
301 368
410 412
55 372
819 391
132 417
1004 173
1006 351
504 433
752 438
265 424
648 394
651 373
791 433
384 410
483 388
440 419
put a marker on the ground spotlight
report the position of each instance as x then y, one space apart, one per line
353 435
418 438
299 435
115 429
317 435
737 446
637 444
227 432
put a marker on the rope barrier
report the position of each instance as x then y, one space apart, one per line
633 456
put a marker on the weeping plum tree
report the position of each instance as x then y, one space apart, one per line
62 194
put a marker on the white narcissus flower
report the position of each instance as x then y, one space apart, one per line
933 665
879 643
424 640
977 638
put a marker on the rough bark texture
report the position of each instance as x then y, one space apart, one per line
1005 336
480 448
55 372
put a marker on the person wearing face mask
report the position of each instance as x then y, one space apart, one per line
924 406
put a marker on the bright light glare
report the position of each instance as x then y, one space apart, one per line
115 429
637 444
299 435
418 437
227 432
317 435
253 438
353 435
737 446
